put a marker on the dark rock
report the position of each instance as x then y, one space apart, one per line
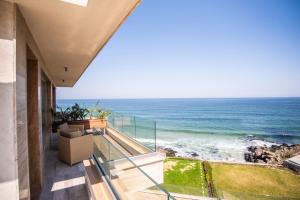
275 154
249 157
170 152
251 148
194 154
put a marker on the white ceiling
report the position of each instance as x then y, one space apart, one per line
70 33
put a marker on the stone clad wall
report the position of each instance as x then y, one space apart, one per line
8 147
24 44
15 40
21 104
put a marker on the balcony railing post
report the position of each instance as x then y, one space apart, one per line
114 119
122 123
155 136
134 121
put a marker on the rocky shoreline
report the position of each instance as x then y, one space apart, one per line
274 154
172 153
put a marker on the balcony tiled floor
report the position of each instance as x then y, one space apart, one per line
63 182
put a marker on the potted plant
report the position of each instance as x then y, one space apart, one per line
98 116
61 116
89 117
78 113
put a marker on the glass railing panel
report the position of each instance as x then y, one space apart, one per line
127 180
146 132
140 129
128 126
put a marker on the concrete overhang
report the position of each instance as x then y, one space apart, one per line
70 33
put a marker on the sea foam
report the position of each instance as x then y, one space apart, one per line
212 147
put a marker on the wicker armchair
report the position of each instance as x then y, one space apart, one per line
74 150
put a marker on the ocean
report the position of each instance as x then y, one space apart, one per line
216 129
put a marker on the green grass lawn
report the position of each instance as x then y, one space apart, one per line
255 182
184 176
231 181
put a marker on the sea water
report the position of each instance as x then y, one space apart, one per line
215 129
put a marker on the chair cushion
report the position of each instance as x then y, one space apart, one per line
71 134
64 126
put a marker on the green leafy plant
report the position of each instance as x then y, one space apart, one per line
102 114
62 115
97 112
93 110
78 113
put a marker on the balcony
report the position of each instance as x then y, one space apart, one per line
125 167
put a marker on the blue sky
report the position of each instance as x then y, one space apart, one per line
199 48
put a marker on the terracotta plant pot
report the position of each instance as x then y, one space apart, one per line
90 123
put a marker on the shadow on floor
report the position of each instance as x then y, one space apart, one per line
61 181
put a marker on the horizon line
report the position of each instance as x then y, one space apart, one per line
141 98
